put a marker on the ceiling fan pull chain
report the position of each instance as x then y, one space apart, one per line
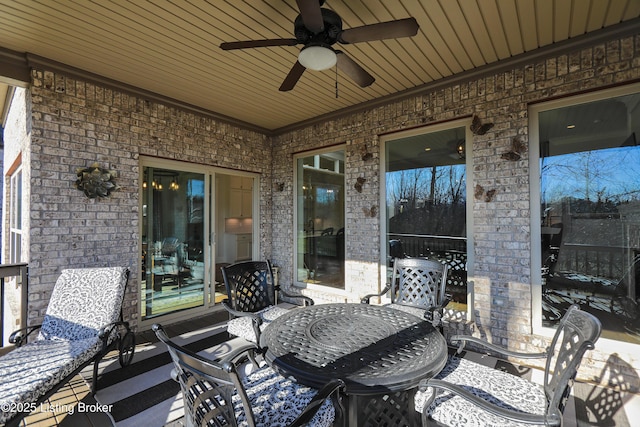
336 82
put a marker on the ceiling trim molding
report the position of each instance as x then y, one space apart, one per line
35 61
624 29
14 70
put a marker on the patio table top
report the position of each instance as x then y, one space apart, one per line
374 349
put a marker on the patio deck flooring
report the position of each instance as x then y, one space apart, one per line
56 412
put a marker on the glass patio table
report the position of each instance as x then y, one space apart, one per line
380 353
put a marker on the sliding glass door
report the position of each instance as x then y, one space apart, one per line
173 241
193 223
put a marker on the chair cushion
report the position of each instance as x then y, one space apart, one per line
498 387
277 401
83 301
28 372
243 326
416 311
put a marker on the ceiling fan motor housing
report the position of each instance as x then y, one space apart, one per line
328 36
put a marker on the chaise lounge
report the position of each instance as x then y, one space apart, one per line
83 322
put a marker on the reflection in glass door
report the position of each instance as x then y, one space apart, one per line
173 241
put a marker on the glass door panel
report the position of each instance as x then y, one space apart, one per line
173 241
233 225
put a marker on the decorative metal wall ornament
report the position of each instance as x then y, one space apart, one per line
359 182
490 195
372 212
95 181
478 192
517 148
479 128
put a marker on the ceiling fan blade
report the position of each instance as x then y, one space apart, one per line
293 77
257 43
311 15
353 70
384 30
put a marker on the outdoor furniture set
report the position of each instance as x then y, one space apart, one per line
320 365
362 364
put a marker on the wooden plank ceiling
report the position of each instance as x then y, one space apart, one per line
172 47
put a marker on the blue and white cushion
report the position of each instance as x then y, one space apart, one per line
243 326
498 387
416 311
82 302
29 371
277 401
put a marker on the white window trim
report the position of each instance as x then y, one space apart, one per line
14 215
208 172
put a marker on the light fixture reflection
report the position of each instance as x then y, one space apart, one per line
460 149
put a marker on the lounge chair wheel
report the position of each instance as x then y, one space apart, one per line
127 347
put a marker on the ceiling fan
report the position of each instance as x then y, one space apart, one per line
318 29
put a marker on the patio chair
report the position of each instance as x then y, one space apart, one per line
252 298
418 288
467 393
216 393
83 322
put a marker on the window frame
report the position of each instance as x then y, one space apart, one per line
16 192
437 127
534 193
296 208
210 174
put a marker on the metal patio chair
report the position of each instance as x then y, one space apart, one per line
252 298
466 393
418 287
215 393
83 322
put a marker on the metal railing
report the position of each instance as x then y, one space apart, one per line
21 273
450 250
422 245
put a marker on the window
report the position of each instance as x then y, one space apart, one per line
320 218
589 216
426 201
15 216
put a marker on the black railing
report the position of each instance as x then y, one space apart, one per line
448 250
21 274
421 245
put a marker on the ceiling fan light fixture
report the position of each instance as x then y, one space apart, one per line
317 57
